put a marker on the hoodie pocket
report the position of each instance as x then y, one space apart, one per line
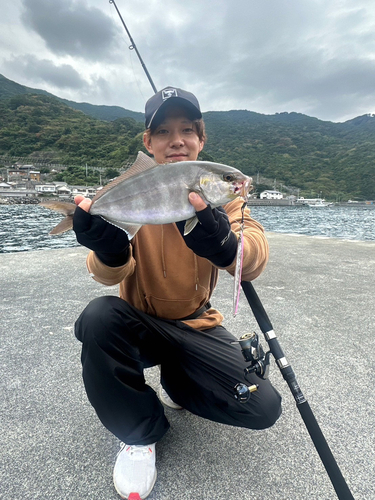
174 309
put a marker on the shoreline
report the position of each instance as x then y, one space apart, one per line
34 200
26 200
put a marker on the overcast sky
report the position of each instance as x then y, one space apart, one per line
311 56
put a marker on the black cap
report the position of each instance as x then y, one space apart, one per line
168 96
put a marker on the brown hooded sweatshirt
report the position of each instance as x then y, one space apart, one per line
164 278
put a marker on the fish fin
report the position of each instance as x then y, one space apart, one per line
65 208
190 225
60 206
63 226
130 229
141 164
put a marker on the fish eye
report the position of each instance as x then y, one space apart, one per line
228 177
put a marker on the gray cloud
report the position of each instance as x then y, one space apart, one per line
71 28
284 57
43 70
314 57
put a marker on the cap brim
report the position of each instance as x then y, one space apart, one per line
193 112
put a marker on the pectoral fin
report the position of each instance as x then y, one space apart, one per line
130 229
190 225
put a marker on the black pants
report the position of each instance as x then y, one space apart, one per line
199 370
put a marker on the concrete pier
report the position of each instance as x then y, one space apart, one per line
319 295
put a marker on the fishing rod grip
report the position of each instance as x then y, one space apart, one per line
324 451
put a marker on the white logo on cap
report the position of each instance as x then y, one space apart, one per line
167 93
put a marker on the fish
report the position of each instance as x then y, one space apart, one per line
152 193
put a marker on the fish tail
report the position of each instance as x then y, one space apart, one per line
64 208
63 226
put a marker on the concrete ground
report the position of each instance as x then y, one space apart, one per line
319 295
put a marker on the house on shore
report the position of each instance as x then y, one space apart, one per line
271 195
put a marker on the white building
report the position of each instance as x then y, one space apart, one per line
86 191
45 188
63 191
270 195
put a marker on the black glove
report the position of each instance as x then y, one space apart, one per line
212 237
110 243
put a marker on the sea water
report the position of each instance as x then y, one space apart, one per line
26 227
350 222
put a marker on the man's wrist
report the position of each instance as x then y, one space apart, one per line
114 260
228 254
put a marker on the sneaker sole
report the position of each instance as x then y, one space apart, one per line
172 405
131 494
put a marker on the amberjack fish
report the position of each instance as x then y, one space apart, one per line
152 193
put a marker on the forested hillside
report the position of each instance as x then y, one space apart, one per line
8 89
334 159
317 156
32 125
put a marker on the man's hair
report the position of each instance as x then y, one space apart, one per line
198 125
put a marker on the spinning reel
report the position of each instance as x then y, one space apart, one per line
259 360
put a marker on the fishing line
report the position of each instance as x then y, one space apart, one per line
135 78
137 81
134 47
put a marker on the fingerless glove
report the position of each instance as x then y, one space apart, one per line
212 237
110 243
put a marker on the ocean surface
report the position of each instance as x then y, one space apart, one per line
26 227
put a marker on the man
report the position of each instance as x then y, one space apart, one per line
163 315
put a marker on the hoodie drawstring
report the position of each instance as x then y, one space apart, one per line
162 253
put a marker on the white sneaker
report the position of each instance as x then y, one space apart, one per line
166 399
134 474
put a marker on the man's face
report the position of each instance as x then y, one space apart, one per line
175 139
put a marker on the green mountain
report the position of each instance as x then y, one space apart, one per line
39 125
336 160
318 156
8 89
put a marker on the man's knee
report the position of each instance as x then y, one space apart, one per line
95 319
270 410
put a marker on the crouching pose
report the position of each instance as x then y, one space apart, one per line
163 315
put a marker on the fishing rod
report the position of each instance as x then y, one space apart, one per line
252 351
134 47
